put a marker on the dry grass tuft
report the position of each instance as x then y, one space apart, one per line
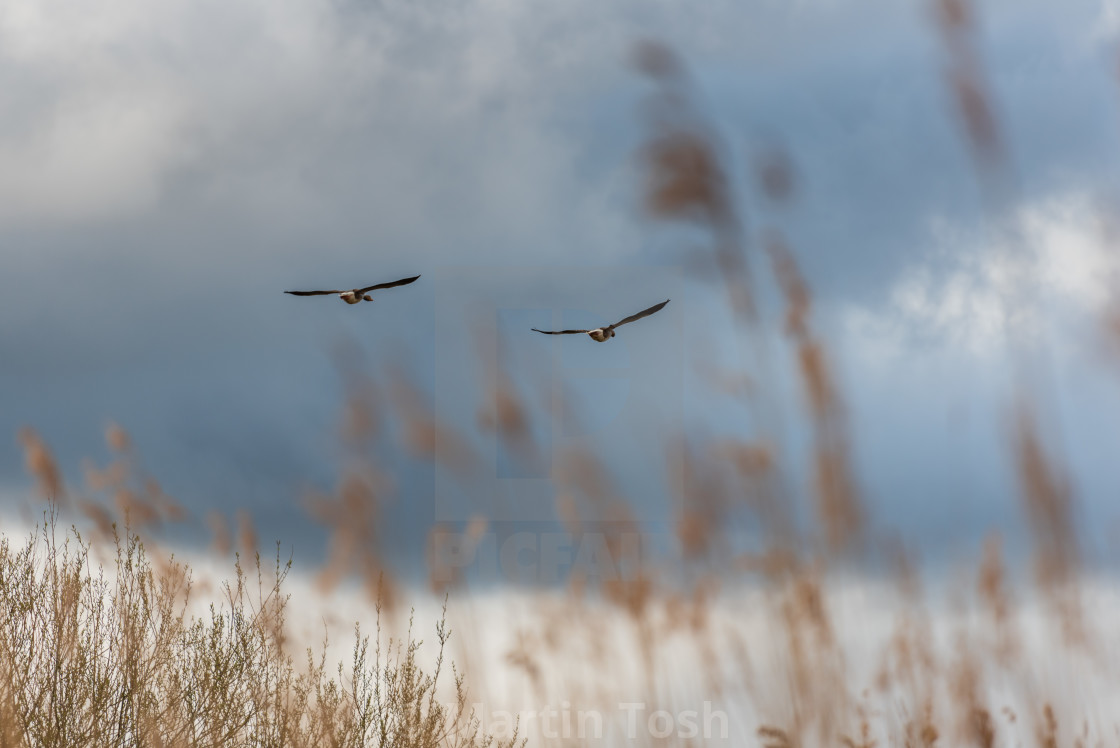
96 658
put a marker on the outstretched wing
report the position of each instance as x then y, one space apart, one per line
559 332
639 315
312 293
379 286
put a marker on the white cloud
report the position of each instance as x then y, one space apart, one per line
108 105
1041 278
437 104
1107 25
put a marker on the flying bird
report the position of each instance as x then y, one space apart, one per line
357 295
603 334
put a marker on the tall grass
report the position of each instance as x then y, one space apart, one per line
96 657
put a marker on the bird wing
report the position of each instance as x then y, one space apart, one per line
559 332
639 315
379 286
312 293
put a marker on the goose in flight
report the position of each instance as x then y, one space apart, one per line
603 334
357 295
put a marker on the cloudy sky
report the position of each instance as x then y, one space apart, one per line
166 170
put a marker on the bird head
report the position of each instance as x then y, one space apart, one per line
367 297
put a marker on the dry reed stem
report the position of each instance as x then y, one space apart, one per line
1050 508
968 85
839 508
40 463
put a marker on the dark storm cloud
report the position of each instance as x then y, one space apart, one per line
165 175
